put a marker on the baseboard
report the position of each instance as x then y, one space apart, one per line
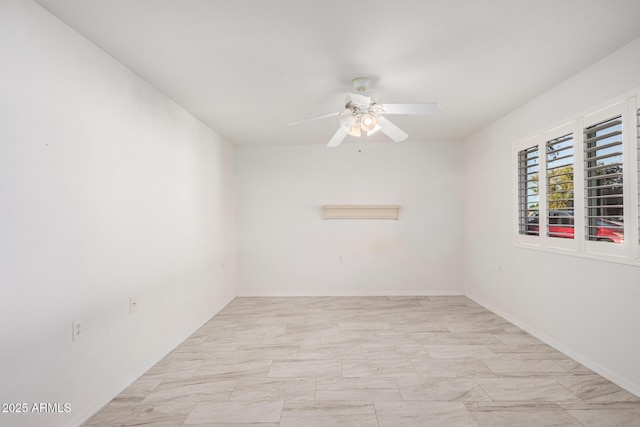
97 405
567 351
108 396
351 294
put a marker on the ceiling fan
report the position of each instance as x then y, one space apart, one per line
363 114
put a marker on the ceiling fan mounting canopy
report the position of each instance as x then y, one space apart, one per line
361 84
362 113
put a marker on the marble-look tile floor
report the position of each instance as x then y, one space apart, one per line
367 361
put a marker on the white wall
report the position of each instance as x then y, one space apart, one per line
107 190
286 248
587 308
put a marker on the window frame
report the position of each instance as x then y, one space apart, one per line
627 107
543 240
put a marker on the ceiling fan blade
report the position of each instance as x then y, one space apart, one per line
375 129
337 138
424 108
391 130
324 116
360 99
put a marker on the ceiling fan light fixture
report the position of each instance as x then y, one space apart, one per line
355 131
362 114
368 122
348 121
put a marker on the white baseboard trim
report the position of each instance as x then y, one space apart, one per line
100 402
567 351
352 294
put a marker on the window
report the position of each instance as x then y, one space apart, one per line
529 200
589 203
604 188
560 208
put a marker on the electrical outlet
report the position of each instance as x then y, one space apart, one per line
133 304
77 330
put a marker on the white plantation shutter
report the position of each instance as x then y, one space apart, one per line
528 191
603 172
559 179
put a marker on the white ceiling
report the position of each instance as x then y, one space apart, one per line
248 67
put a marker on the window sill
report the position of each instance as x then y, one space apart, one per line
618 259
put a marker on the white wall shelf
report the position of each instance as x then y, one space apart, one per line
360 211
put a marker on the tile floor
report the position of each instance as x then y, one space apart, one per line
367 361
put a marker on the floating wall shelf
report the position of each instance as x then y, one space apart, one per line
361 211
